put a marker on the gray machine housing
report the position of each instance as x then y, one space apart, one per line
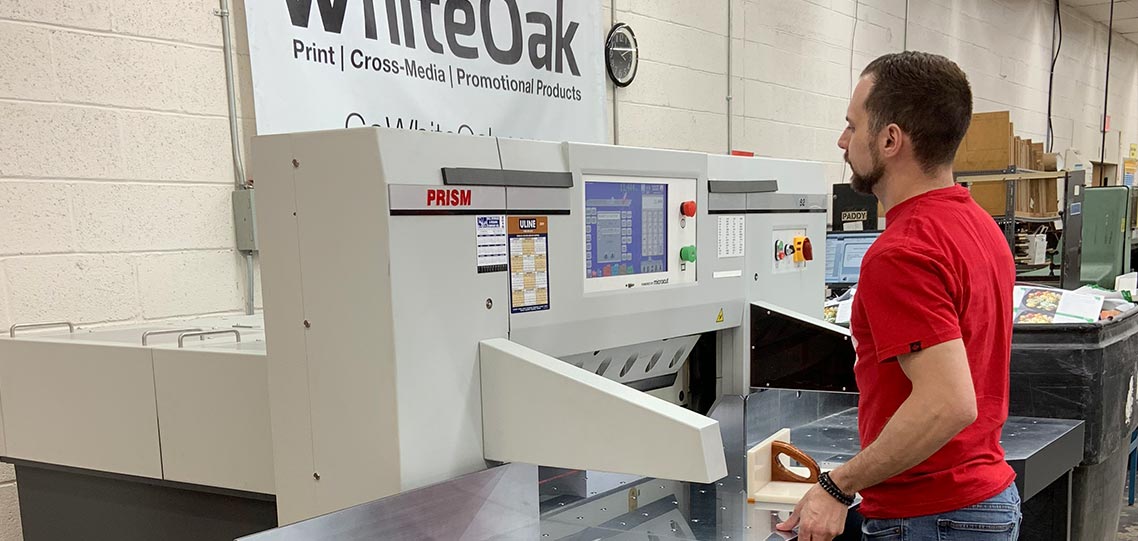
376 308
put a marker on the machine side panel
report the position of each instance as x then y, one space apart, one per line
523 155
289 397
800 290
213 408
441 300
79 404
445 307
341 201
730 371
418 157
793 176
578 322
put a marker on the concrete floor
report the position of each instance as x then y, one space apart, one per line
1128 524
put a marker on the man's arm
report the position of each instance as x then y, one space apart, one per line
943 403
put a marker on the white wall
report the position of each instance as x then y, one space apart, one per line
115 170
794 62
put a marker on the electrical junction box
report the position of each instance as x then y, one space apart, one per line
244 220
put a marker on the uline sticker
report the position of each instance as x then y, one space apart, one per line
529 263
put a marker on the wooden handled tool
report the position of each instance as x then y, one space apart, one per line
782 473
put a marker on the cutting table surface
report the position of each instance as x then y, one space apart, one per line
517 501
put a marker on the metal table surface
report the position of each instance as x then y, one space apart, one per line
510 502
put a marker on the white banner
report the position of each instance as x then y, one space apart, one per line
516 68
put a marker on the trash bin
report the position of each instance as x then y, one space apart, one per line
1085 372
1096 498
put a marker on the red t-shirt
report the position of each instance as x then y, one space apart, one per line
940 271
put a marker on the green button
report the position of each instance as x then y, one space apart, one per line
687 253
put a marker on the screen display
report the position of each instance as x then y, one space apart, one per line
844 252
626 228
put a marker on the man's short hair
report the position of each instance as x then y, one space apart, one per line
927 96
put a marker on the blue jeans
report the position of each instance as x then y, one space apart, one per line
995 519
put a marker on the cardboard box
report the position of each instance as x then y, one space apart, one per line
991 196
1050 161
1035 198
988 145
1023 156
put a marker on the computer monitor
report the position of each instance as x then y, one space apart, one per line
844 252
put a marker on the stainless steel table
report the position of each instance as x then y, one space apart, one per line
519 501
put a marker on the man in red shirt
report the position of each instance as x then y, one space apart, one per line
932 324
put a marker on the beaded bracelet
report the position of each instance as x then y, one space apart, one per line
833 490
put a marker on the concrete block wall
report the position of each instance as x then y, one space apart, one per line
115 167
1005 47
794 63
678 99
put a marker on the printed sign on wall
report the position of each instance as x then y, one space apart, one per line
515 68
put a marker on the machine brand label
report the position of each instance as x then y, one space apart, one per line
855 215
410 199
448 198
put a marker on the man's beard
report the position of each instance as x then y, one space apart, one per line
864 183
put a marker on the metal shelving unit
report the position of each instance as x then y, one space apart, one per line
1071 215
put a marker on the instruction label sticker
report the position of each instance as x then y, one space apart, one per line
493 252
731 236
529 263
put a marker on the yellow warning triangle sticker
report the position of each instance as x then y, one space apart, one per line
719 318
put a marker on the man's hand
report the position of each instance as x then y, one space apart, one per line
818 515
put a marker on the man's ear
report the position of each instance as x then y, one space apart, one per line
891 141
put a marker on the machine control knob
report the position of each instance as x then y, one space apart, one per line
687 253
687 208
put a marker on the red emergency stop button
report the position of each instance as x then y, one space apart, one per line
687 208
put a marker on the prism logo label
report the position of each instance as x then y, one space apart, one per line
448 198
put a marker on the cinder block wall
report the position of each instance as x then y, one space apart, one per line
115 167
794 61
